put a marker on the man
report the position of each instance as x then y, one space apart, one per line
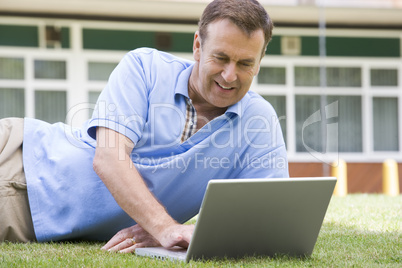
162 128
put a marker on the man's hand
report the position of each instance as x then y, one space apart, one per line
123 241
176 235
127 240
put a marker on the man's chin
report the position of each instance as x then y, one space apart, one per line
224 104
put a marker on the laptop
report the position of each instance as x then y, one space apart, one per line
255 217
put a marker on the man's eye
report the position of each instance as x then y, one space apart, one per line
246 64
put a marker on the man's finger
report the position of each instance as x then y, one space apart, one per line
129 249
117 239
128 243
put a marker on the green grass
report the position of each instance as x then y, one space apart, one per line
358 231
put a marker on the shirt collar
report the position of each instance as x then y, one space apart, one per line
182 81
237 108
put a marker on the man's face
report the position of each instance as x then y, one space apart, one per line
227 62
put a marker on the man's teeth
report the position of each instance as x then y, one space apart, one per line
224 87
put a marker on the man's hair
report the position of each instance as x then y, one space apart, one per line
248 15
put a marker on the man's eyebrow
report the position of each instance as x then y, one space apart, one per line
222 54
248 60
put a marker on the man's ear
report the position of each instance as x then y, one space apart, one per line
197 46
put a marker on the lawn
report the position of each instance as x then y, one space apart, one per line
359 230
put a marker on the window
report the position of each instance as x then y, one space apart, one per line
12 68
344 77
12 102
307 76
310 135
336 76
92 99
100 71
384 77
272 75
93 96
51 106
349 124
385 124
46 69
279 104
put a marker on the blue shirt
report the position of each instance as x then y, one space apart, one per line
145 100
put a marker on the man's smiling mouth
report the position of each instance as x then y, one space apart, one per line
227 88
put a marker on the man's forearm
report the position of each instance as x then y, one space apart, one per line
113 165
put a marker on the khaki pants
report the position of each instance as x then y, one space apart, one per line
15 216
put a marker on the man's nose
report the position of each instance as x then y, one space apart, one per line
229 72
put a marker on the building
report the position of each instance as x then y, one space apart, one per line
339 56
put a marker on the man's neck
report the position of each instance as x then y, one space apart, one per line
205 111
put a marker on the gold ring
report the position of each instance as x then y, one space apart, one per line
133 240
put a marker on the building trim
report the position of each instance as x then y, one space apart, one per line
278 23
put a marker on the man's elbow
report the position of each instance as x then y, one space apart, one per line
99 162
